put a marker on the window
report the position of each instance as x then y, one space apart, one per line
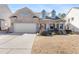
24 14
72 18
68 20
61 26
52 26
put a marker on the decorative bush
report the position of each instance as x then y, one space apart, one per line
44 33
68 31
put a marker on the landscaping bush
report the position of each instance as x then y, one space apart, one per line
49 32
56 31
68 31
44 33
62 32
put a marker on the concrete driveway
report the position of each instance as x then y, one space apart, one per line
16 44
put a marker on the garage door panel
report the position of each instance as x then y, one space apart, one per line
24 27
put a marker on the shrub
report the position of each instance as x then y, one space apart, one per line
68 31
44 33
49 32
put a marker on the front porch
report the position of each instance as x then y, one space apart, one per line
52 25
55 26
49 26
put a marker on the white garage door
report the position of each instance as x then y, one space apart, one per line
25 27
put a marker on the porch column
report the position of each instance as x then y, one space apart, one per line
55 25
59 26
63 26
42 28
47 27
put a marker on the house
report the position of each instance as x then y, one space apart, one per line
25 20
49 21
5 13
51 24
72 19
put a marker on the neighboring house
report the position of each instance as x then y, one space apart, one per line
72 19
24 20
5 13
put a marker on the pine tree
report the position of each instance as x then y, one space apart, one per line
61 15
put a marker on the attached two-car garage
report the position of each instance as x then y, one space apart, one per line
25 27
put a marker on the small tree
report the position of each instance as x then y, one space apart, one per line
61 15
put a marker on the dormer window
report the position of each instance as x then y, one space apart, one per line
24 14
43 14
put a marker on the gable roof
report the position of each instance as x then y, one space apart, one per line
71 9
56 18
23 10
45 21
5 12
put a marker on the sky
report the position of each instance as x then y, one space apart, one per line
59 8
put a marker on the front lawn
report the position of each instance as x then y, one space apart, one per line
58 44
